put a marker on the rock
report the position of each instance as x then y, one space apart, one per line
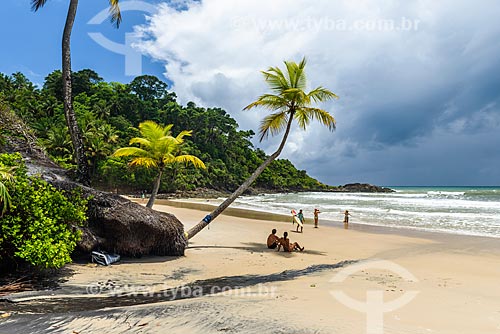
362 188
114 224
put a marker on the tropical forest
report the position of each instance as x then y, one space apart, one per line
109 115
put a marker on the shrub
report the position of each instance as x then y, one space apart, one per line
39 227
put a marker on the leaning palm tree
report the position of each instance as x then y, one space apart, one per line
74 130
5 174
158 150
289 102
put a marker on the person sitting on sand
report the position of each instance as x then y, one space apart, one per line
287 245
273 240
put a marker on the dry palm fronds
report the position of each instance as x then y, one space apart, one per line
18 285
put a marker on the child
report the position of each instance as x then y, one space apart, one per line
346 217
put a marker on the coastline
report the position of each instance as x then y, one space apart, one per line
206 205
455 277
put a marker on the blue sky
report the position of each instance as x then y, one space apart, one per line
32 41
418 80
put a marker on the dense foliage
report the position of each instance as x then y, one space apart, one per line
39 225
109 114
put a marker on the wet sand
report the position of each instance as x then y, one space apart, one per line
453 279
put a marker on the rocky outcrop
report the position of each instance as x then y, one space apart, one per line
114 224
362 188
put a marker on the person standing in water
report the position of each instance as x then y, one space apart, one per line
316 217
346 218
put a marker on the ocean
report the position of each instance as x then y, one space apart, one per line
459 210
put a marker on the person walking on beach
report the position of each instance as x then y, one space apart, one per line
316 217
287 245
273 240
300 215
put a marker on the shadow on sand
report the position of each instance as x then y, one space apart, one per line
78 303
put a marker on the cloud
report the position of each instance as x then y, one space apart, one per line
416 79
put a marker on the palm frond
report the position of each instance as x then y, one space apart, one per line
6 173
274 124
275 78
144 162
269 101
297 96
37 4
153 131
131 152
303 118
186 159
5 200
323 116
114 10
141 141
321 94
184 133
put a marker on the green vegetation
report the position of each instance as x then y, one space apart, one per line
5 200
159 150
83 173
109 115
289 102
39 226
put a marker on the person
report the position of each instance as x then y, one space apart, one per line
316 217
300 215
273 240
287 245
346 217
143 196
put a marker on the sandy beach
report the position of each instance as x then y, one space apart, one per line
426 283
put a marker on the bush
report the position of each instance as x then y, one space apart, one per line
39 227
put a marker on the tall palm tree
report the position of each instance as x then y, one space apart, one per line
5 174
74 130
158 149
289 101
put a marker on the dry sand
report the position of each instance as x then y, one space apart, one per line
455 279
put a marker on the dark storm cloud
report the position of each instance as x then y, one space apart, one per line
416 107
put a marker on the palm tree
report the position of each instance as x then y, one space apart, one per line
158 149
5 174
289 102
74 130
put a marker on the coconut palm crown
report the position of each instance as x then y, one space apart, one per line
288 101
158 149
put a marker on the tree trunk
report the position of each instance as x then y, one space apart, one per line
156 187
241 189
74 131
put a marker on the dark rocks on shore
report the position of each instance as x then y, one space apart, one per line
361 188
253 191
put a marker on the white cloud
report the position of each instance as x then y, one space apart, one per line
395 86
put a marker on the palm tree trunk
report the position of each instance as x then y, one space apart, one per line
155 190
241 189
74 131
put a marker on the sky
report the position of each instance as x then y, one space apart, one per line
418 81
